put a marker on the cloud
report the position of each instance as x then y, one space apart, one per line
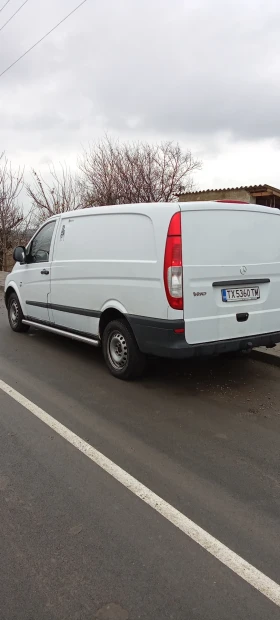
206 73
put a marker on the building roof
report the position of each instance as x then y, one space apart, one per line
252 189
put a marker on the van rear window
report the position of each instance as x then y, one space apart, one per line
230 237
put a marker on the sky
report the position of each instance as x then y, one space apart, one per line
204 73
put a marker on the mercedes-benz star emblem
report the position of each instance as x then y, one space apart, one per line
243 270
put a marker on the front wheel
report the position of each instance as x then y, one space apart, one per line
15 314
121 352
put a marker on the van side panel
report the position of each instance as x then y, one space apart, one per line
106 258
222 246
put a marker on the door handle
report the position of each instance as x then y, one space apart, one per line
45 272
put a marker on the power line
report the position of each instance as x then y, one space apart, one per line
44 37
13 15
4 6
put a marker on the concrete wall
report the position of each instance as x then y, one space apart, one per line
219 194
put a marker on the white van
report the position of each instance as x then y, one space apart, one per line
172 280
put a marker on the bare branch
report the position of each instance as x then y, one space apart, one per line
60 194
11 213
115 173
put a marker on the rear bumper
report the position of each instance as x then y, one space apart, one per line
158 337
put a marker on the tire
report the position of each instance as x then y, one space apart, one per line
15 314
121 352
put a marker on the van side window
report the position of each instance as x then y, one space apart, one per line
40 247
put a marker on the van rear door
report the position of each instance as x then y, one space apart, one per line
231 271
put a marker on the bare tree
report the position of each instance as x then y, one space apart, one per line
59 194
25 229
11 213
116 173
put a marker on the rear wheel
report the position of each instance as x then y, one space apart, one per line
15 314
121 352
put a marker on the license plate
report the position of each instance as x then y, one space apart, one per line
241 294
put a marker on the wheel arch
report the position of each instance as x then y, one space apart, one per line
12 288
111 314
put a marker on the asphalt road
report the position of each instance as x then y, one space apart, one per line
76 544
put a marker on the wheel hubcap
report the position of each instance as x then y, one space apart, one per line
117 350
14 312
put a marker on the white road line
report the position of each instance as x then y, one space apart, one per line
229 558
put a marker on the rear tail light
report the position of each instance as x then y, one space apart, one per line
238 202
173 269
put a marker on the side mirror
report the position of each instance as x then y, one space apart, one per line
19 255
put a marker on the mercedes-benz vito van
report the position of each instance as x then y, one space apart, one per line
171 280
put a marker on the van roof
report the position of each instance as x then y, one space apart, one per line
226 206
137 207
172 206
